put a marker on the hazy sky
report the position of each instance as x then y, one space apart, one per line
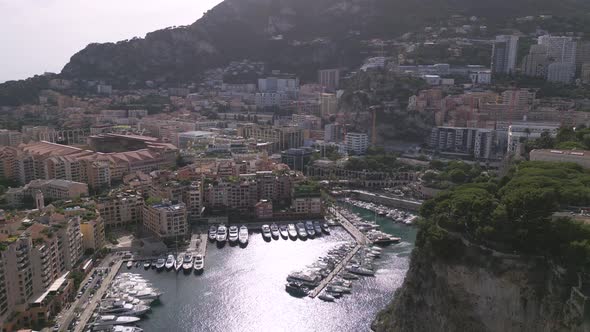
41 35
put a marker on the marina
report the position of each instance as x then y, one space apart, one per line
231 271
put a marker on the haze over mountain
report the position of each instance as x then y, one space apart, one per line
267 30
41 36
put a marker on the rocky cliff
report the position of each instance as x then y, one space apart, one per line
293 35
478 289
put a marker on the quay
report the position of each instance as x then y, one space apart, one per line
91 305
360 239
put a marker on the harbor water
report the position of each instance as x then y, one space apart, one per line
243 289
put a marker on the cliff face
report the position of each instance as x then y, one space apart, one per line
294 35
479 290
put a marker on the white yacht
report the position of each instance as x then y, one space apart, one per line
292 231
266 232
124 309
179 260
221 233
233 234
274 230
187 262
243 235
169 262
199 263
301 230
108 320
160 263
122 328
212 233
129 264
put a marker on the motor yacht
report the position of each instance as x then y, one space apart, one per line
292 230
122 328
284 230
317 227
301 230
170 262
221 234
160 263
233 234
108 320
274 231
129 264
212 233
187 262
309 228
199 263
243 235
266 234
179 261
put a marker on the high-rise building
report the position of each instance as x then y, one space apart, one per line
329 79
561 72
356 143
328 104
560 48
536 62
121 209
333 132
582 54
504 51
476 142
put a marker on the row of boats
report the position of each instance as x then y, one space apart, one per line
301 283
128 300
369 228
233 234
384 211
183 261
301 230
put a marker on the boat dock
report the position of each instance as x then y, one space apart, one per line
198 243
92 303
360 238
332 274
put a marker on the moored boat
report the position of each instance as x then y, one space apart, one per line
309 228
169 262
221 234
274 231
179 261
243 235
301 232
187 262
199 263
108 320
292 231
212 233
266 234
284 231
317 227
129 264
160 263
233 234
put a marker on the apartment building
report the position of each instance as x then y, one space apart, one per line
329 79
356 143
93 233
469 142
51 189
121 209
10 137
166 220
282 138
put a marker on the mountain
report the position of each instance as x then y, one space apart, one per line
293 35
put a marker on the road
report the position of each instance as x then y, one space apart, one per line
94 301
69 314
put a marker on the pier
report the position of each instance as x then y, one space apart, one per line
332 274
360 239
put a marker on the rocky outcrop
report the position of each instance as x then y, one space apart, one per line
481 290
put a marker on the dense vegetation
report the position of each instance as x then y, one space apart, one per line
375 160
444 176
515 213
567 139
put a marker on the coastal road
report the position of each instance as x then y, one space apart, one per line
91 305
69 315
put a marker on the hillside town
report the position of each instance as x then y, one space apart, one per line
89 164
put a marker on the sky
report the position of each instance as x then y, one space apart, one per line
38 36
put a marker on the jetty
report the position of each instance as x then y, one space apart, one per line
361 240
316 291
